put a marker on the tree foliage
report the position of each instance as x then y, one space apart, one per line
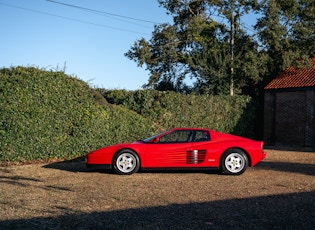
198 44
287 33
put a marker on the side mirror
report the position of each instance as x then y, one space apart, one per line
156 140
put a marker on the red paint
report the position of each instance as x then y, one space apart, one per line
194 148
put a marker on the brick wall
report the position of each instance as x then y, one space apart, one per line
289 118
269 118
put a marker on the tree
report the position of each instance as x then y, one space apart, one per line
208 43
286 32
197 47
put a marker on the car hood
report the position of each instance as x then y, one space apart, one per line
113 148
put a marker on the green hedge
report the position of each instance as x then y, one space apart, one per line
46 115
231 114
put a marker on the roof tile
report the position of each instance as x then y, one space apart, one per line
294 77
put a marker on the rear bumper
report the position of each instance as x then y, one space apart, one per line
264 155
259 157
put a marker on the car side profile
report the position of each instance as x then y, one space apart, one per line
181 148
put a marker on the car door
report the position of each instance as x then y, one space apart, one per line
169 150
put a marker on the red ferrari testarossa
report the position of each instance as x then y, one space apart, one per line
181 148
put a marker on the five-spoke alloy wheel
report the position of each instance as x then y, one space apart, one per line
126 162
234 162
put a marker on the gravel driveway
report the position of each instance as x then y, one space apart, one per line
279 193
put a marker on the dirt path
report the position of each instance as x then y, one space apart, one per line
279 193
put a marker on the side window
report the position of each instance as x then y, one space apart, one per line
178 136
202 136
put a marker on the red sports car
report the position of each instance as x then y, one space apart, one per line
181 148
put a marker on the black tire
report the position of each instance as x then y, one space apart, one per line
126 162
234 162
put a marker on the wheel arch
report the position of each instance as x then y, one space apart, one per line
239 148
129 149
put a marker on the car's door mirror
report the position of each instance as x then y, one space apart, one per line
156 140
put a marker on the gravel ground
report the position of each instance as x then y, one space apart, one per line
278 193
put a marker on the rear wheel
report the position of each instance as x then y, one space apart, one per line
126 162
234 162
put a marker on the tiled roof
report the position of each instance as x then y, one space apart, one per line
294 77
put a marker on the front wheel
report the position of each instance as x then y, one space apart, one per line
126 162
234 162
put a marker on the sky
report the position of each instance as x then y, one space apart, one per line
85 38
88 44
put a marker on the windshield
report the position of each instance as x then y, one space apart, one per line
150 139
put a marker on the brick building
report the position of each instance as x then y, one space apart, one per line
289 113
